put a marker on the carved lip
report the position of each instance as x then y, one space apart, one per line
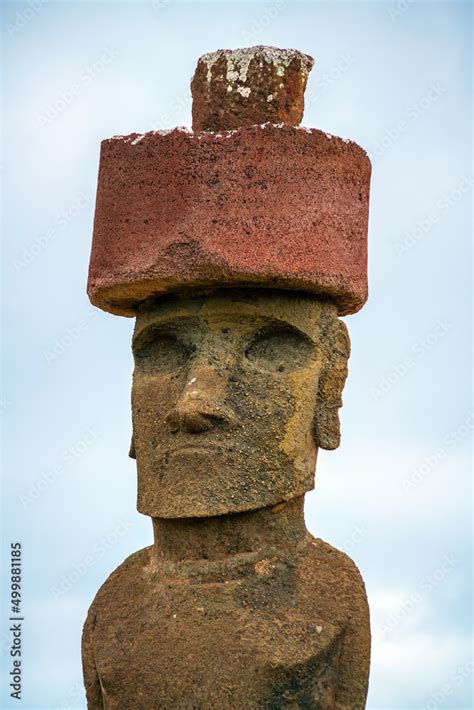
192 449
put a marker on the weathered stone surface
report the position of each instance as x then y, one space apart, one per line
233 392
281 622
246 384
280 207
242 87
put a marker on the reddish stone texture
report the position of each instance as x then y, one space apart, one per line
242 87
271 206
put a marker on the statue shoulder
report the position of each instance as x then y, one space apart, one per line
127 579
336 583
337 564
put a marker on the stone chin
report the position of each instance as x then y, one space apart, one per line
208 482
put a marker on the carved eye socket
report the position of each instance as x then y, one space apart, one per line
280 350
160 352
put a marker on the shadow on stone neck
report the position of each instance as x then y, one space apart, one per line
281 526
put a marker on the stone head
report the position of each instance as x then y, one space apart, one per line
233 393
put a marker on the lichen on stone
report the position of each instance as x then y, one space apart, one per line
234 88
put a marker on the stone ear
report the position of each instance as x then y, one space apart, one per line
336 347
131 452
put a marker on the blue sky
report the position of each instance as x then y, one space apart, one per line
396 78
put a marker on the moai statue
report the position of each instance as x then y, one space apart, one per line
236 246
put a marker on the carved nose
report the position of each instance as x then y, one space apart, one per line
192 422
201 405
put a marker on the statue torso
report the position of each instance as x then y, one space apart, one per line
248 632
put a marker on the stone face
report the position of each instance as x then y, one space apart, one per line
283 623
277 207
246 384
236 88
